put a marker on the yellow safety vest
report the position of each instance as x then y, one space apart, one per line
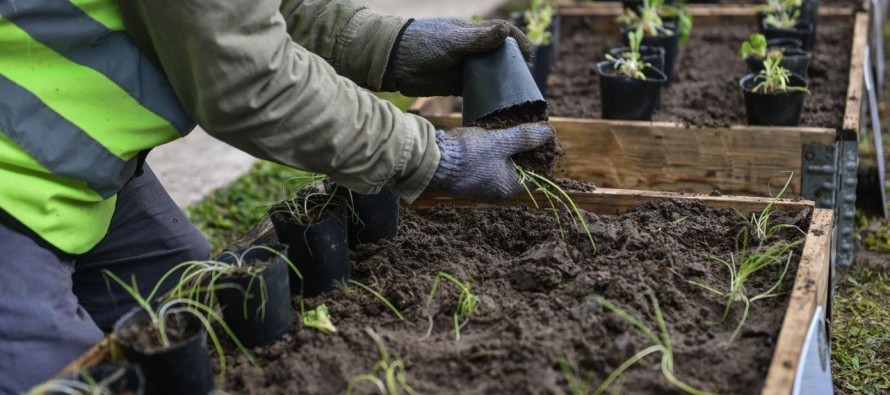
78 103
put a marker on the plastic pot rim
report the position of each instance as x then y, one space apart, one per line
660 77
134 316
795 80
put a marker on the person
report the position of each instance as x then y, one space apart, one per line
88 87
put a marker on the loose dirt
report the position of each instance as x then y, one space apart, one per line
705 89
536 306
144 337
541 160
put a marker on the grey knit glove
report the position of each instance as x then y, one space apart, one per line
476 162
428 58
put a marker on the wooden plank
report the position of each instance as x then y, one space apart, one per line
741 160
810 290
856 87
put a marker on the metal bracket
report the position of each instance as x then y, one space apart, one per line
819 178
845 212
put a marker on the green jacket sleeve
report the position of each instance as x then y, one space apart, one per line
237 71
352 38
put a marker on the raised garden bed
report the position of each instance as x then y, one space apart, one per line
686 148
857 5
536 306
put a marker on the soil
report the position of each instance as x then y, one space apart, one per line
314 214
572 185
251 268
536 307
541 160
144 337
705 89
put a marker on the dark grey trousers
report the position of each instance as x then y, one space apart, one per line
53 309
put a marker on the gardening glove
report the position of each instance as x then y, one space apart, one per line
475 162
428 58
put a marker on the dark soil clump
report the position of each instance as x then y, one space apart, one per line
535 288
144 337
705 88
542 160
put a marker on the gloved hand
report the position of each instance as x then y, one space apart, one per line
476 162
428 59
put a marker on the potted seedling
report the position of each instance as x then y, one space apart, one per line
541 23
786 24
629 86
313 225
167 338
654 32
103 379
370 218
774 96
757 48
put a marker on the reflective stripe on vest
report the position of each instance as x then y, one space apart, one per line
79 101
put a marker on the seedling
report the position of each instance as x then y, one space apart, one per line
318 318
740 272
774 78
538 18
466 302
777 6
759 222
174 308
394 380
379 297
533 182
756 47
649 19
87 385
630 64
662 345
784 20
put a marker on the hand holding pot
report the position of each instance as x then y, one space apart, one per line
428 59
476 162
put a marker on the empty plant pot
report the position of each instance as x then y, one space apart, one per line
803 31
371 218
671 45
258 308
795 60
773 109
183 368
629 98
317 243
115 377
498 81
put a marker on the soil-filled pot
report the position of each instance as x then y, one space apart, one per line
795 60
651 55
318 247
671 45
629 98
544 56
777 109
499 80
183 368
258 309
803 31
371 218
118 378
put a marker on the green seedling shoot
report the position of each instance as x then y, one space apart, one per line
774 78
466 302
649 19
778 6
741 270
630 64
755 46
536 183
175 308
319 319
394 381
759 222
87 385
782 20
661 340
538 18
379 297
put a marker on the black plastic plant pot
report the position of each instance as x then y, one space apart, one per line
499 80
783 43
803 31
257 306
795 60
671 45
651 55
628 98
372 217
317 247
124 378
181 369
809 12
778 109
544 56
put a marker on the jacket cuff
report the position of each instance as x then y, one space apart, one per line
421 155
363 49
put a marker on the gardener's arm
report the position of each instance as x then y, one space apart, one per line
382 52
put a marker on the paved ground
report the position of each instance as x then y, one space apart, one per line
196 165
